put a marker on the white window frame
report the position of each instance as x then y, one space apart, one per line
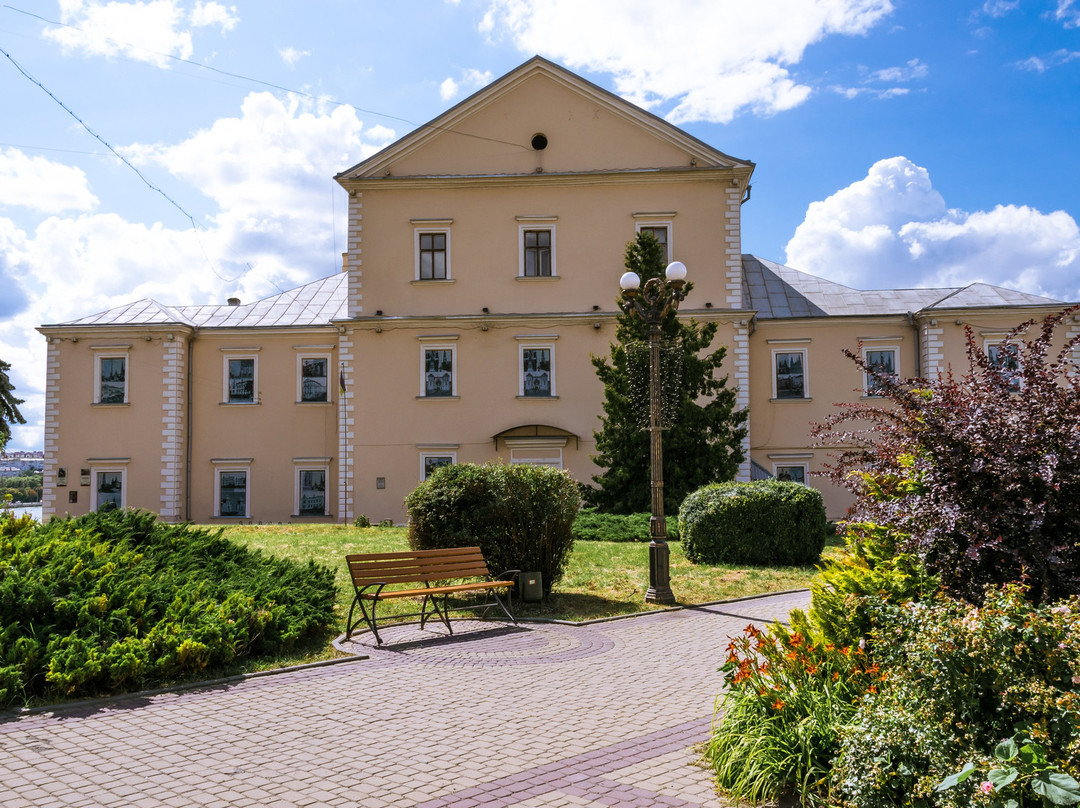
532 343
226 395
308 464
805 369
425 227
997 342
441 345
111 352
108 469
536 451
300 377
432 453
232 466
787 464
526 224
667 224
895 349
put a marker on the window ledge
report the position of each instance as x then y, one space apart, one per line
537 398
311 516
232 518
314 403
240 403
538 278
807 398
108 405
437 398
432 281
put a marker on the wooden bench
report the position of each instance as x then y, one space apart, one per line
377 576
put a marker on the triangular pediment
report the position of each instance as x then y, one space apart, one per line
584 127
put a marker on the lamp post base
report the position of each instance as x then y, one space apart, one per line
659 590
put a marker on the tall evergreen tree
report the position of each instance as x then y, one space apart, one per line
9 405
703 433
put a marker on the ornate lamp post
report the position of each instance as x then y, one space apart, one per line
652 303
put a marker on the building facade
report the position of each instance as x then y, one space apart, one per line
484 254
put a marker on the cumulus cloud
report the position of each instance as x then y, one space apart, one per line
269 172
42 185
291 55
656 64
892 229
469 81
152 32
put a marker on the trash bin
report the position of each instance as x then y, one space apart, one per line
530 587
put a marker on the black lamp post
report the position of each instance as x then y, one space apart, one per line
651 303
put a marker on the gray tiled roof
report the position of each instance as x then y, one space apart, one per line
778 292
315 303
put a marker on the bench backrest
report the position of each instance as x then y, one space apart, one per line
416 566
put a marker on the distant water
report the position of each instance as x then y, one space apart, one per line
33 510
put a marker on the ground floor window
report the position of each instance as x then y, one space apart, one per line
109 488
430 461
311 493
232 493
791 473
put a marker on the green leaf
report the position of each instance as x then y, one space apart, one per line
1058 787
1006 750
1032 754
956 779
1002 777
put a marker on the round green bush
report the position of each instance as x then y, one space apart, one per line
763 523
519 516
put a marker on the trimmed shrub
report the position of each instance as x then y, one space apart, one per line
591 525
117 601
768 522
521 517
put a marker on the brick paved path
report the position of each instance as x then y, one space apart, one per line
539 715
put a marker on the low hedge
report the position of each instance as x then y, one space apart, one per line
591 525
117 601
519 516
762 523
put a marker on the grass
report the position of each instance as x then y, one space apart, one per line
602 579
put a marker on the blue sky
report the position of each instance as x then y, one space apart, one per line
898 143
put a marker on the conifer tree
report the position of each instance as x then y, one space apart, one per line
9 405
703 433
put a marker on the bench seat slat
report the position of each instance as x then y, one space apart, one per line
435 590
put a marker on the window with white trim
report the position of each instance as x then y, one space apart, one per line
111 378
433 254
429 461
1005 357
232 492
536 248
313 378
660 232
110 487
789 374
241 380
438 371
879 362
311 491
536 370
791 472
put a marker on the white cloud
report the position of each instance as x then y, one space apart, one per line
999 8
291 55
707 75
1067 14
42 185
914 69
269 172
470 81
893 230
1055 59
152 32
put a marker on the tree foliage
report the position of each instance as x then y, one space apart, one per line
9 405
979 475
702 441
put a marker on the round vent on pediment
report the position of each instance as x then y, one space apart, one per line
539 141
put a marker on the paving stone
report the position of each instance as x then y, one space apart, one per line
530 716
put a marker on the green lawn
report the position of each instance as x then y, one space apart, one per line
603 579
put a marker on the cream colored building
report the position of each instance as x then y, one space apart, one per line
484 253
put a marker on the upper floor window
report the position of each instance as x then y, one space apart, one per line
432 247
536 370
110 379
879 362
536 247
660 233
314 378
240 380
438 371
659 226
789 376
